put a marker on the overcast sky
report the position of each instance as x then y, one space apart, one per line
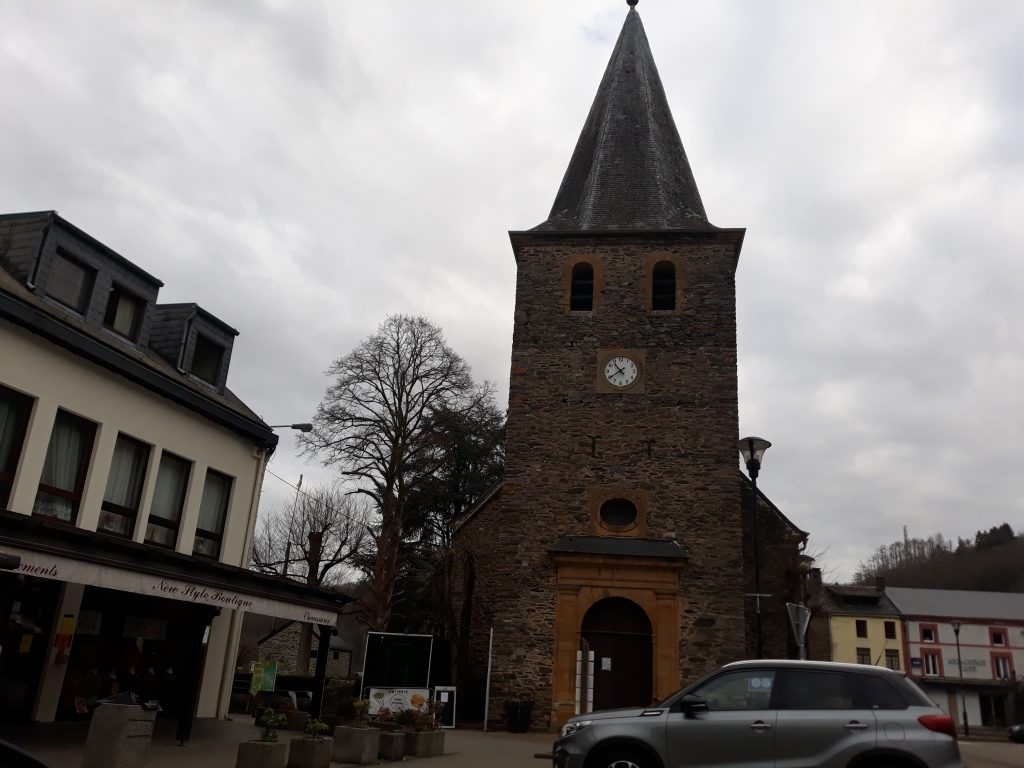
302 170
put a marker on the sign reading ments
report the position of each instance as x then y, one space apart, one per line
48 566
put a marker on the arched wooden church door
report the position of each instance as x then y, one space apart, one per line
619 633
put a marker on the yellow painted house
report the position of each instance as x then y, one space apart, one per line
864 626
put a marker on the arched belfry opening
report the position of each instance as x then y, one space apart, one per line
618 631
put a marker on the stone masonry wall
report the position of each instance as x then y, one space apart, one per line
676 441
284 648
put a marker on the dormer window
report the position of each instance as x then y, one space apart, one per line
663 287
581 296
207 360
70 283
124 313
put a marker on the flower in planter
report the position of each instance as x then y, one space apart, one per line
361 708
384 715
315 727
407 719
270 722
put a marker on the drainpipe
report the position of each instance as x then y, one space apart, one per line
31 282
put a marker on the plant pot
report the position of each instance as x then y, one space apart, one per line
392 745
262 754
424 743
310 752
384 726
356 745
296 720
518 714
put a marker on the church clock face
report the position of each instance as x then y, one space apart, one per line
621 372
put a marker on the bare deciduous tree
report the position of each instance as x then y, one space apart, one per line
313 540
374 424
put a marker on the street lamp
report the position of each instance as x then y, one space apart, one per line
300 427
956 624
752 449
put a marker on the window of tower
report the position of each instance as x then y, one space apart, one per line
663 286
618 513
581 295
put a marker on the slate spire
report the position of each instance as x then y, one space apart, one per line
629 170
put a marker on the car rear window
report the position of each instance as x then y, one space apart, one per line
913 692
818 690
879 693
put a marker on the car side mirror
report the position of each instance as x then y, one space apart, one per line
691 703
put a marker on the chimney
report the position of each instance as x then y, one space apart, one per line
880 583
814 581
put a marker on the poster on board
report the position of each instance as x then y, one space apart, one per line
264 677
397 699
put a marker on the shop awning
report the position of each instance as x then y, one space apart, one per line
53 551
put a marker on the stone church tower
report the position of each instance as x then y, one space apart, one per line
618 527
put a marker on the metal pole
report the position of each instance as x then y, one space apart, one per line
487 691
752 469
963 693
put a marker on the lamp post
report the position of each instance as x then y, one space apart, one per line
956 624
752 449
300 427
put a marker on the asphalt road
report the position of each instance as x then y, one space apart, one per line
992 754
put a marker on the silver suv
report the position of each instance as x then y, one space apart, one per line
772 714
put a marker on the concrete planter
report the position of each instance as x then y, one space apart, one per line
424 743
384 726
356 745
307 752
119 736
296 720
392 745
262 754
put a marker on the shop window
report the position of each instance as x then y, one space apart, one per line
581 295
862 628
124 487
168 501
124 313
931 665
14 411
663 286
206 360
213 512
892 660
864 656
64 471
993 710
70 282
890 630
1002 667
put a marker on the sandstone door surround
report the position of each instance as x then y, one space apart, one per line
584 579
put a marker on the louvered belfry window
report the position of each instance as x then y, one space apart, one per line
663 286
581 296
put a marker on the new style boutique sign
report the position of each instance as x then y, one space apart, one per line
79 572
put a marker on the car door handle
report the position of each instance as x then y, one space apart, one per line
855 726
760 726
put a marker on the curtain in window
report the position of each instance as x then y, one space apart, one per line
212 512
168 501
127 472
124 319
214 506
169 493
69 441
